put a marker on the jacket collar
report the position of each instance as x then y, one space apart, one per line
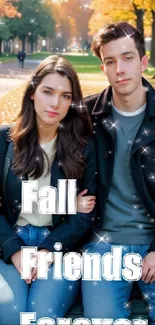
103 106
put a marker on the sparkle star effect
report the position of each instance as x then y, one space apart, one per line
144 150
152 177
128 36
146 296
86 5
103 239
81 106
146 132
127 305
114 125
61 126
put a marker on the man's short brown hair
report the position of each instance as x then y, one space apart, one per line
112 32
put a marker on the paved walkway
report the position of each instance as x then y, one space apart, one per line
11 76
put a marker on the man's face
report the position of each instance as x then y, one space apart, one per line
123 65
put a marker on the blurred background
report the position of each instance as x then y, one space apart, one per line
39 28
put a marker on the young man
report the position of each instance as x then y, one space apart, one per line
124 130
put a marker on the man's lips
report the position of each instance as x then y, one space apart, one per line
122 81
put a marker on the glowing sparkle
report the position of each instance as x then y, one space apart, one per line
103 239
114 125
80 106
144 150
127 305
146 296
146 132
152 177
128 36
58 246
61 126
150 307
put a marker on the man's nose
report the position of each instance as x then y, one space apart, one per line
120 68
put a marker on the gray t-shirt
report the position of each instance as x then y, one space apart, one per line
126 221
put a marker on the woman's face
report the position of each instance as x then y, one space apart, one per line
52 99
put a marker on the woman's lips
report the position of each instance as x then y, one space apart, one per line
52 114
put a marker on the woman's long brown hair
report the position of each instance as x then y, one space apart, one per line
73 132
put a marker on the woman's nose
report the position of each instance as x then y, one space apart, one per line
55 101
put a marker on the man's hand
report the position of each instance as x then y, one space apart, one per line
148 268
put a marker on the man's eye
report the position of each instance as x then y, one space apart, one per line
109 63
129 57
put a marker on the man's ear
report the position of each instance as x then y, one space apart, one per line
144 63
103 68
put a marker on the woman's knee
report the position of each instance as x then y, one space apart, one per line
13 294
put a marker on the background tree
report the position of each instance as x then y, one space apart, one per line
72 19
7 8
4 33
35 21
137 12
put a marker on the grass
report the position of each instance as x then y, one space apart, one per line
150 70
7 57
81 63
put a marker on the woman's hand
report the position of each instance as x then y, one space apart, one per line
85 204
34 269
16 260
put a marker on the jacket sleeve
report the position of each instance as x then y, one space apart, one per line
9 241
74 227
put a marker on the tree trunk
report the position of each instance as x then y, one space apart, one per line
139 21
23 44
32 46
0 46
152 56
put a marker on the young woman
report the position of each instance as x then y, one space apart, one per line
50 140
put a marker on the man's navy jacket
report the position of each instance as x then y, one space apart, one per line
142 158
67 229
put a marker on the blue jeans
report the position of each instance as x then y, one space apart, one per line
109 299
48 298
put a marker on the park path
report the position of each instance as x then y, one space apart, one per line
11 76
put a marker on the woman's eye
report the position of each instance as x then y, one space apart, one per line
47 92
67 97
